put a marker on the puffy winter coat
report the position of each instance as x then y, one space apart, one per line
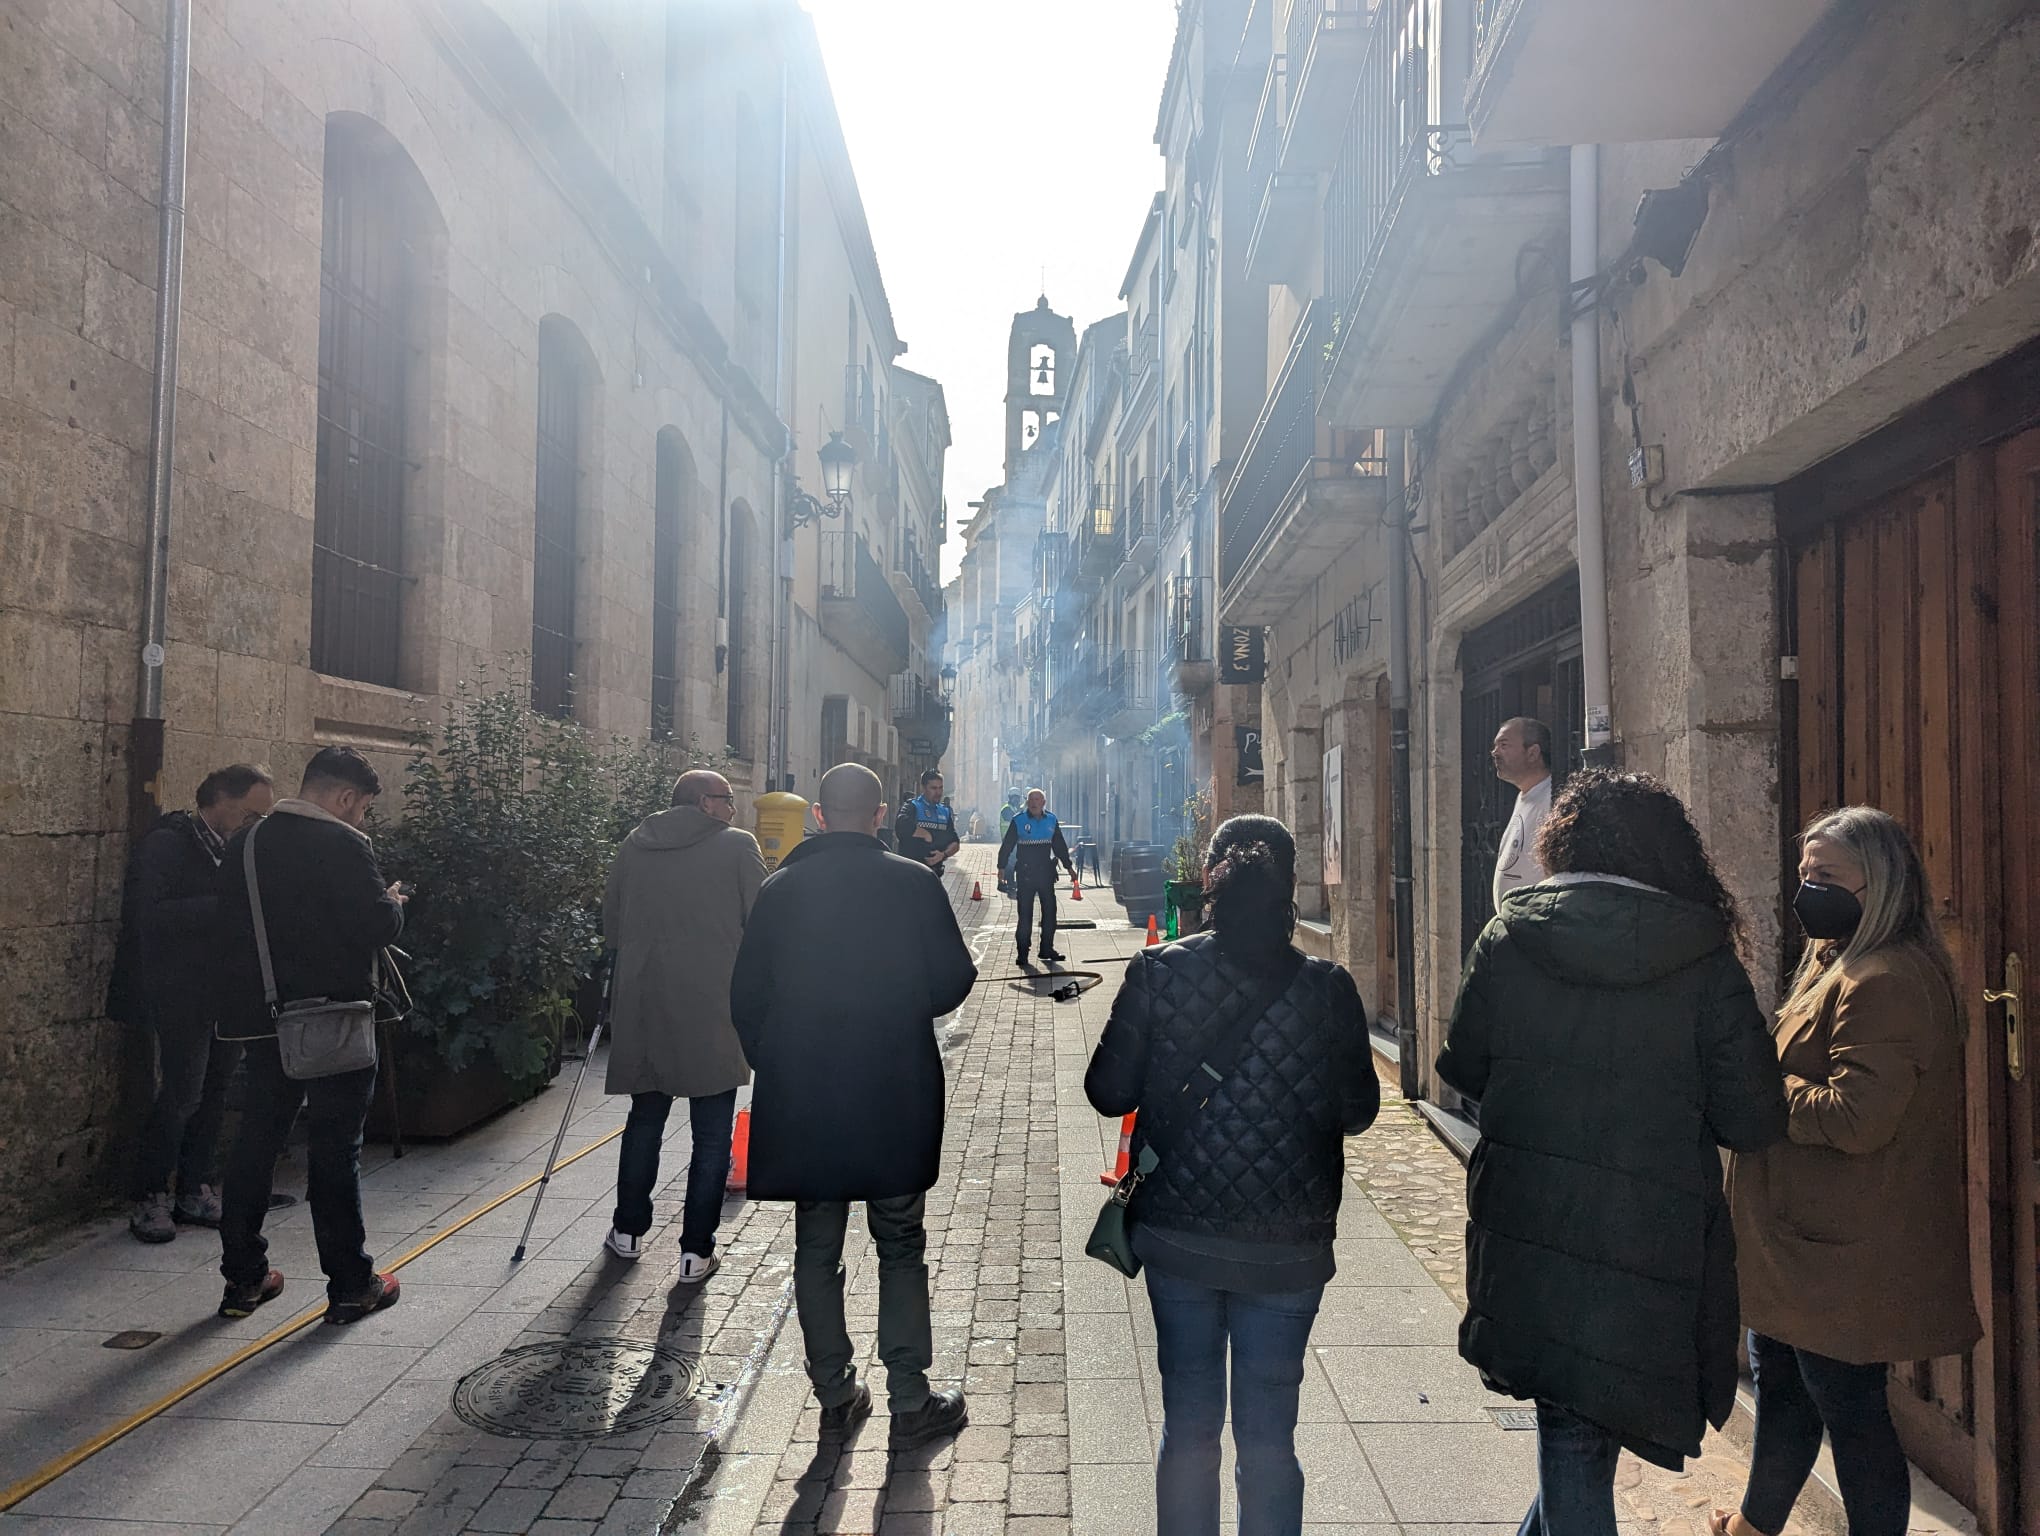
1613 1041
850 956
1262 1160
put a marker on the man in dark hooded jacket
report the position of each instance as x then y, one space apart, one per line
163 970
849 957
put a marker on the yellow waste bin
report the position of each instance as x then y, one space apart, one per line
782 823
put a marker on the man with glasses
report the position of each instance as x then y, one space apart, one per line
679 894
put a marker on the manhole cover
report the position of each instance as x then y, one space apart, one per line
577 1389
1515 1418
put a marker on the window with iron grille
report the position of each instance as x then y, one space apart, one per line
666 500
557 518
367 282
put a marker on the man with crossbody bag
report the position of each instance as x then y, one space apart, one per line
1248 1064
305 915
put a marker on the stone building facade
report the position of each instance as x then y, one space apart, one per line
1799 278
478 371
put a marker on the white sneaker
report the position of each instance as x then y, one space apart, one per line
694 1268
623 1245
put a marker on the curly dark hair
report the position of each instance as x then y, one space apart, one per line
1629 824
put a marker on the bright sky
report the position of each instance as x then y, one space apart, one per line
992 141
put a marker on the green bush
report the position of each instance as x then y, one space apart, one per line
510 822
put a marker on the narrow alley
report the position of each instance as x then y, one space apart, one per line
376 1430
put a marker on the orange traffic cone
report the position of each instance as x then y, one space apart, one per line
740 1151
977 890
1125 1159
1076 886
1154 931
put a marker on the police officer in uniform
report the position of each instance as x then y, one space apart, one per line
925 829
1034 841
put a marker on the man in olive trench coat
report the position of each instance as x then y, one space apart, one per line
679 894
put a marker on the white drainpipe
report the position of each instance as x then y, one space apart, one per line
1586 394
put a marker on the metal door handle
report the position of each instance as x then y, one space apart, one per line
2015 1034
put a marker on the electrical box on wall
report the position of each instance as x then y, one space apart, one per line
1647 467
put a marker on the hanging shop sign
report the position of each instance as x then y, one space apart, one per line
1247 754
1242 655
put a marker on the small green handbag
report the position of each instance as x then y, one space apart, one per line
1111 1239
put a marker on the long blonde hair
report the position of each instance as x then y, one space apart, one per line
1897 900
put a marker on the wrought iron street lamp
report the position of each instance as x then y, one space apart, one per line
838 460
948 676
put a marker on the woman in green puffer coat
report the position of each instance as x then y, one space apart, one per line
1614 1043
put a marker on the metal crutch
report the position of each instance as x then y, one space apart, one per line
587 1055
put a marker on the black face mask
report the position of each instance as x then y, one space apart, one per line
1827 912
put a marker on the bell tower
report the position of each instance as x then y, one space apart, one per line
1039 354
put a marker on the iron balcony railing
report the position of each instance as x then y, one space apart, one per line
1188 630
1392 136
851 576
910 565
919 712
1278 452
1051 557
1130 683
1137 518
1306 16
1140 361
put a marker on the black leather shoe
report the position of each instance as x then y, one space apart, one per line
942 1417
1054 954
1022 961
837 1422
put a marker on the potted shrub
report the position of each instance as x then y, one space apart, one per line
506 835
1186 866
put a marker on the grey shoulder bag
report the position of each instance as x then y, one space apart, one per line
316 1037
1111 1240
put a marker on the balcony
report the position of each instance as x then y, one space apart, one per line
914 581
1126 695
1422 236
1139 537
1095 545
1290 511
1187 618
1327 44
1051 560
860 615
1623 71
1142 374
1278 247
920 714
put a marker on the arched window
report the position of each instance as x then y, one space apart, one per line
370 323
669 494
737 618
562 386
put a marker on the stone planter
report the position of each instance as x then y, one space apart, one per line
436 1102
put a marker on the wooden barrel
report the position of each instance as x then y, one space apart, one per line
1139 884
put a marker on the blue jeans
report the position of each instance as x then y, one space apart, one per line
708 1170
1799 1393
1575 1477
1268 1334
336 1109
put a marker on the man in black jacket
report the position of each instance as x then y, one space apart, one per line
848 959
163 981
328 915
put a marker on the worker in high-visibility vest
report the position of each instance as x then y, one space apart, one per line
1034 841
925 829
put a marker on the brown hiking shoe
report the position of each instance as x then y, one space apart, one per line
242 1300
382 1292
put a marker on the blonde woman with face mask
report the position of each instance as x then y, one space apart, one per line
1852 1234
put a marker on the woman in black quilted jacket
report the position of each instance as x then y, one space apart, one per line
1249 1064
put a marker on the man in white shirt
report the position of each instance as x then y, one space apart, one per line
1522 757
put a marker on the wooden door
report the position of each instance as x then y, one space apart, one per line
1914 619
2017 473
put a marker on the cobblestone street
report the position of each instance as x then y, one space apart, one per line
1054 1350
